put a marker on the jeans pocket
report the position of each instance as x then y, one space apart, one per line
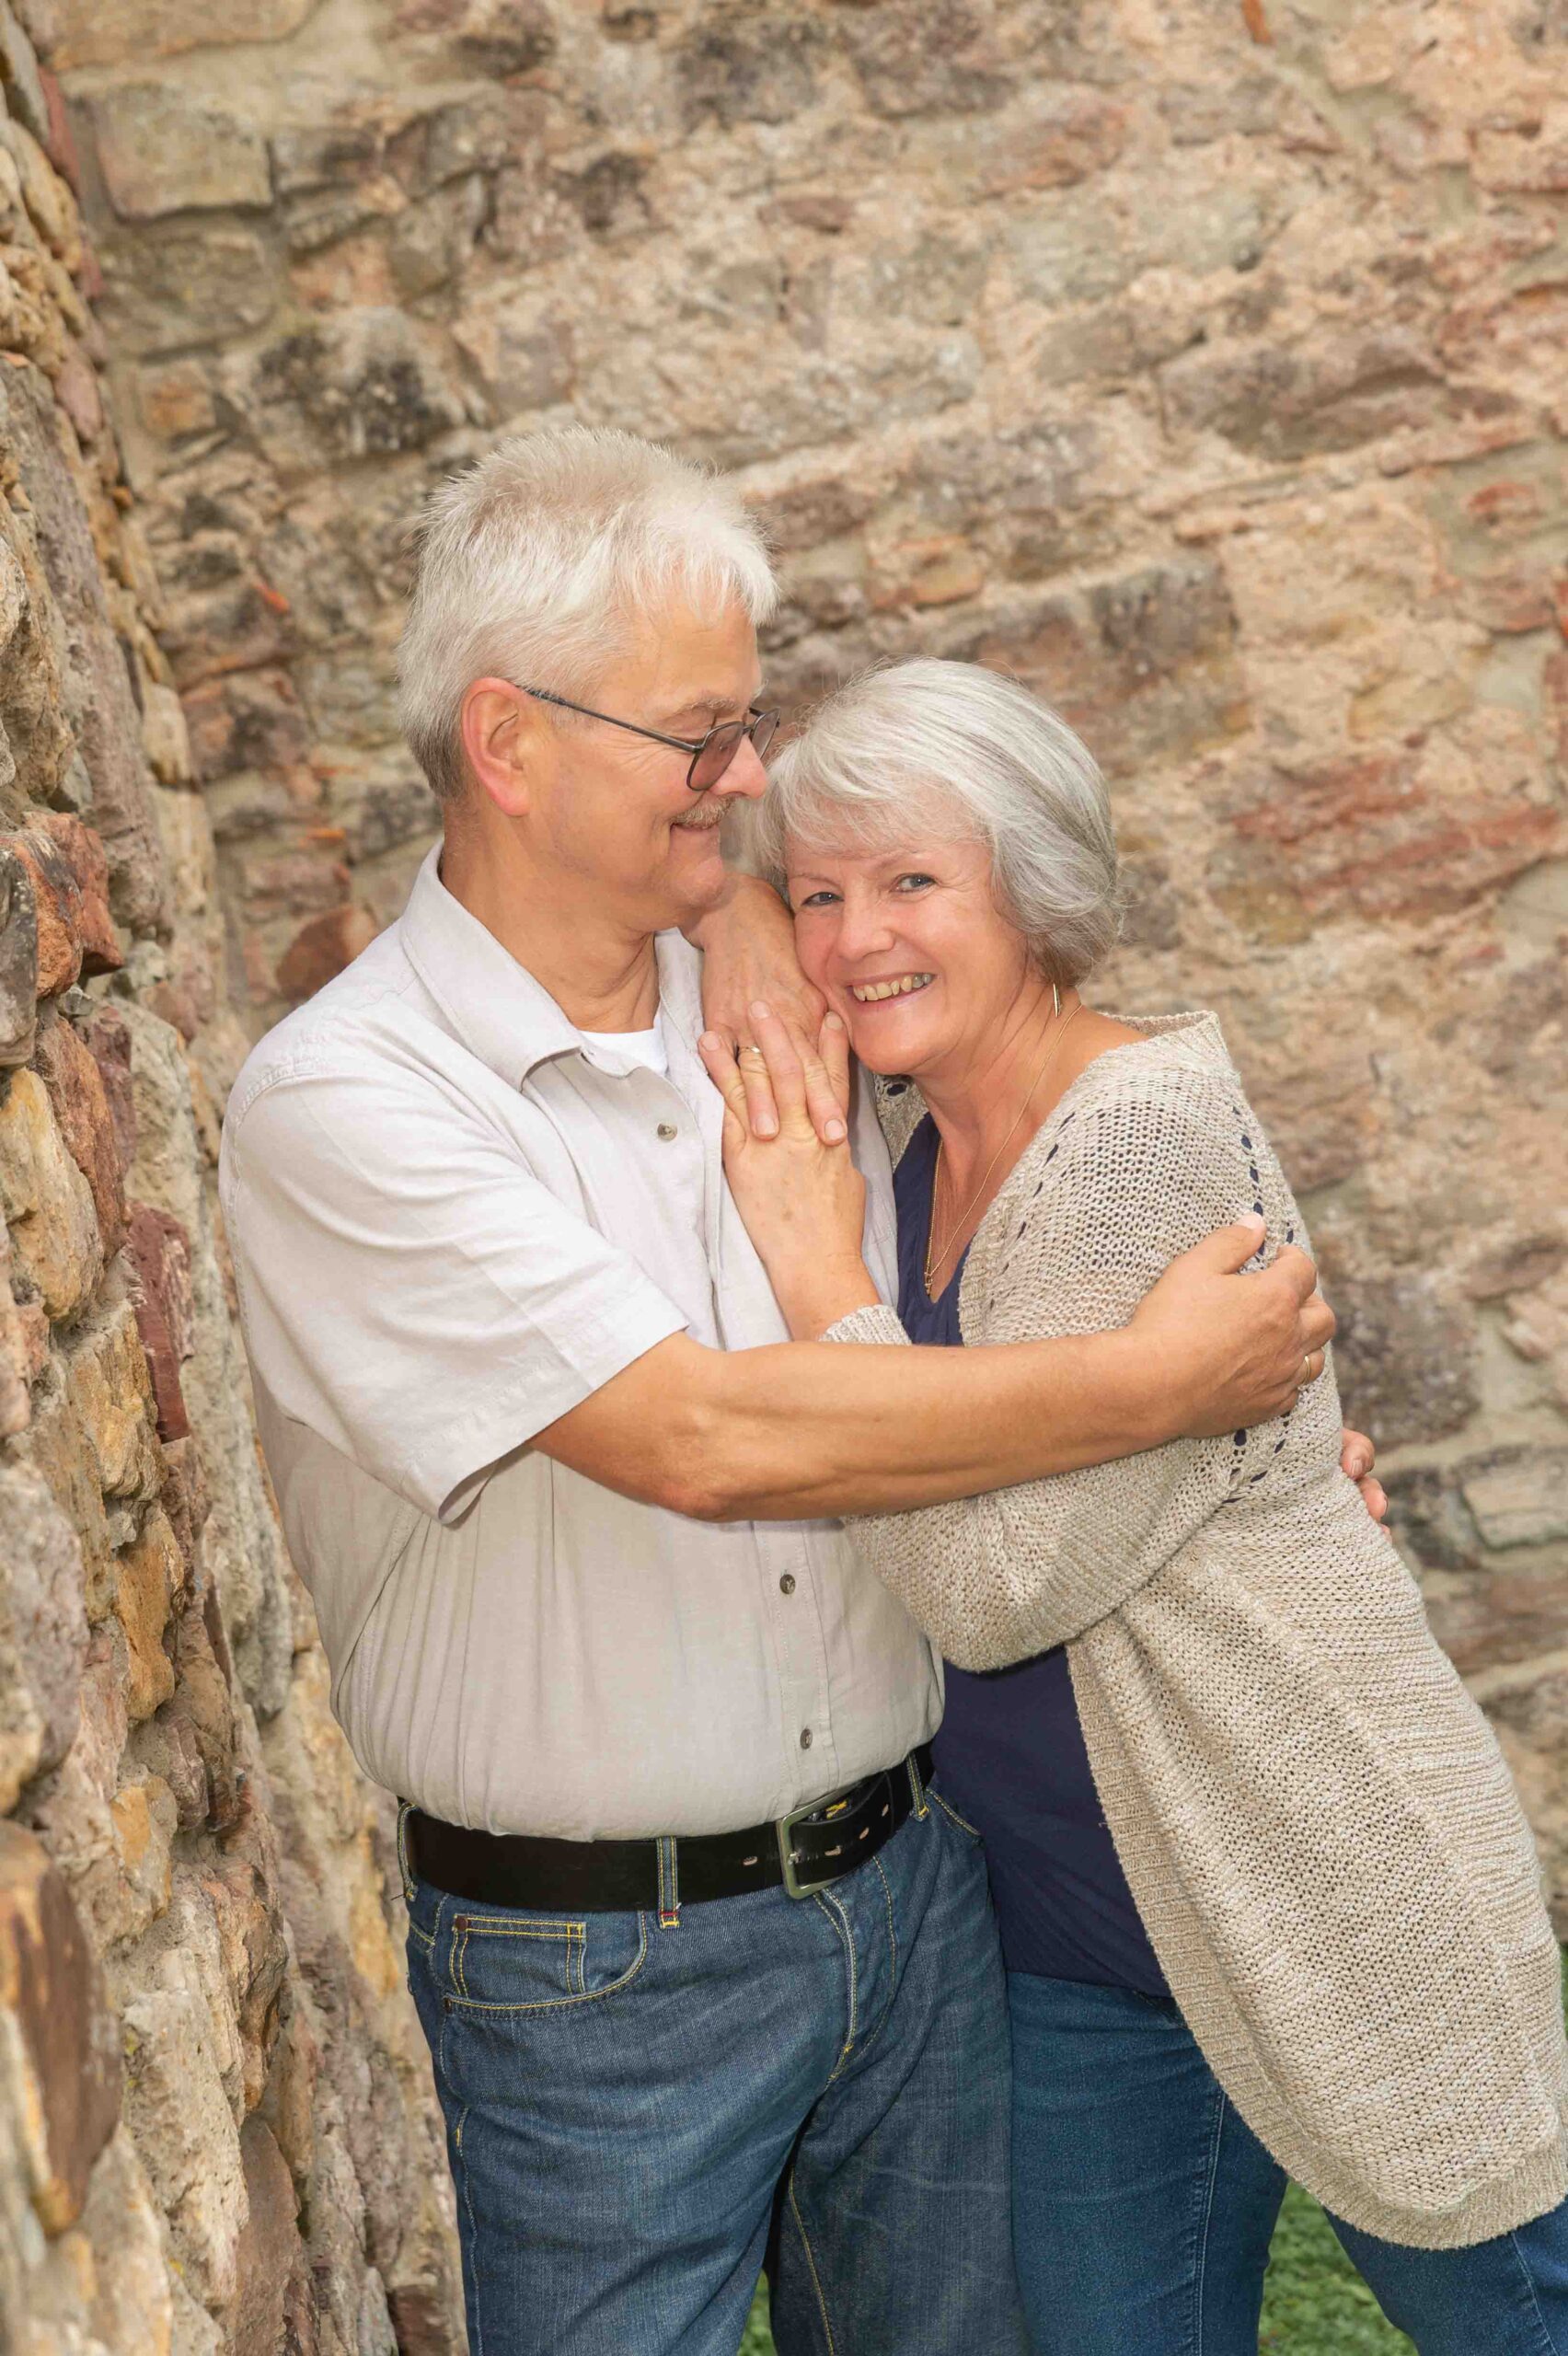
504 1960
952 1814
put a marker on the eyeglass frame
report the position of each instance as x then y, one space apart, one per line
696 747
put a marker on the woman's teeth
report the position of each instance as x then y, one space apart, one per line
867 993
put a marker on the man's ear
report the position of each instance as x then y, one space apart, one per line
504 735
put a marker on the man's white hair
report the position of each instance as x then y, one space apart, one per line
534 564
957 750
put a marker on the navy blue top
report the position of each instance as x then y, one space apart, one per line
1011 1754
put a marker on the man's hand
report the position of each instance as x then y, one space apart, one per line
1232 1350
748 953
1357 1458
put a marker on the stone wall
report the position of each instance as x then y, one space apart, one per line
215 2124
1203 360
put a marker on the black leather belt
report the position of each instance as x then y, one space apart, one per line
804 1852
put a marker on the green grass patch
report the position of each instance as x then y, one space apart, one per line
1315 2303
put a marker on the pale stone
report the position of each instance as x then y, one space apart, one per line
161 152
132 2305
1522 1501
46 1202
133 31
179 2115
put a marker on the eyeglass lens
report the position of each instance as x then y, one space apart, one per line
722 745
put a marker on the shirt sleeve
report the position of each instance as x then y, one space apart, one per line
996 1578
409 1289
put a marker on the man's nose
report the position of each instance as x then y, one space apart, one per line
745 778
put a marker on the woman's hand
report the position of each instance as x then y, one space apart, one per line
748 955
804 1202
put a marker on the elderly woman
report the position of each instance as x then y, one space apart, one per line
1267 1898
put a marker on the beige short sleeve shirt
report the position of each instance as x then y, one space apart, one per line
453 1217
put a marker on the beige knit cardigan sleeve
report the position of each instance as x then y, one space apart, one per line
1105 1197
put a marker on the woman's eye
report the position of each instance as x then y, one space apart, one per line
817 900
915 882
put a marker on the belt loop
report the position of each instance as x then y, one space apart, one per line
668 1884
405 1808
916 1787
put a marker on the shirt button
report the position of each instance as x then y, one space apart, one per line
667 1130
805 1737
787 1584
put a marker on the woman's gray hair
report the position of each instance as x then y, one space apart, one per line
535 563
958 748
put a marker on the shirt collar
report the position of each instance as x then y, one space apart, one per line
496 1007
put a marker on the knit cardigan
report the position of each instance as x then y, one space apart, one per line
1315 1819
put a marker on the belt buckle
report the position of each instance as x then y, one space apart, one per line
833 1802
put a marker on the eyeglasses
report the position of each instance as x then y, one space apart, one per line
710 754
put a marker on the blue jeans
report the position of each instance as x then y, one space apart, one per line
1144 2206
631 2111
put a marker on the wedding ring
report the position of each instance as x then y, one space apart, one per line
749 1050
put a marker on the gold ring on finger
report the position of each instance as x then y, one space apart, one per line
751 1051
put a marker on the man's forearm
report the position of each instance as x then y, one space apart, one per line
808 1429
830 1428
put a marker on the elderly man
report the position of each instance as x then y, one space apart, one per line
699 1954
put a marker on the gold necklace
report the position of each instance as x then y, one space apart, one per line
934 1258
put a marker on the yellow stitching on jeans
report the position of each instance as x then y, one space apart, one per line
962 1821
559 2003
840 1921
810 2263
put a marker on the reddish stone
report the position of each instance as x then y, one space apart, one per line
1372 835
62 145
50 1984
64 861
159 1250
322 948
81 1106
106 1035
272 2285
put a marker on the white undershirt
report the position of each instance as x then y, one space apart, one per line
637 1047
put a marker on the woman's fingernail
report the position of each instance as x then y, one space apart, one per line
760 1008
711 1040
836 1133
1359 1468
766 1126
834 1022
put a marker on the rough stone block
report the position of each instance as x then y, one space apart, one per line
164 735
107 1037
107 1383
96 696
81 1106
1406 1359
18 958
1519 1497
159 1250
322 947
162 151
25 94
63 2053
179 2114
133 30
152 1573
46 1202
42 1604
132 2302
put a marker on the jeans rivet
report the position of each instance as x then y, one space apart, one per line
459 1922
447 2003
